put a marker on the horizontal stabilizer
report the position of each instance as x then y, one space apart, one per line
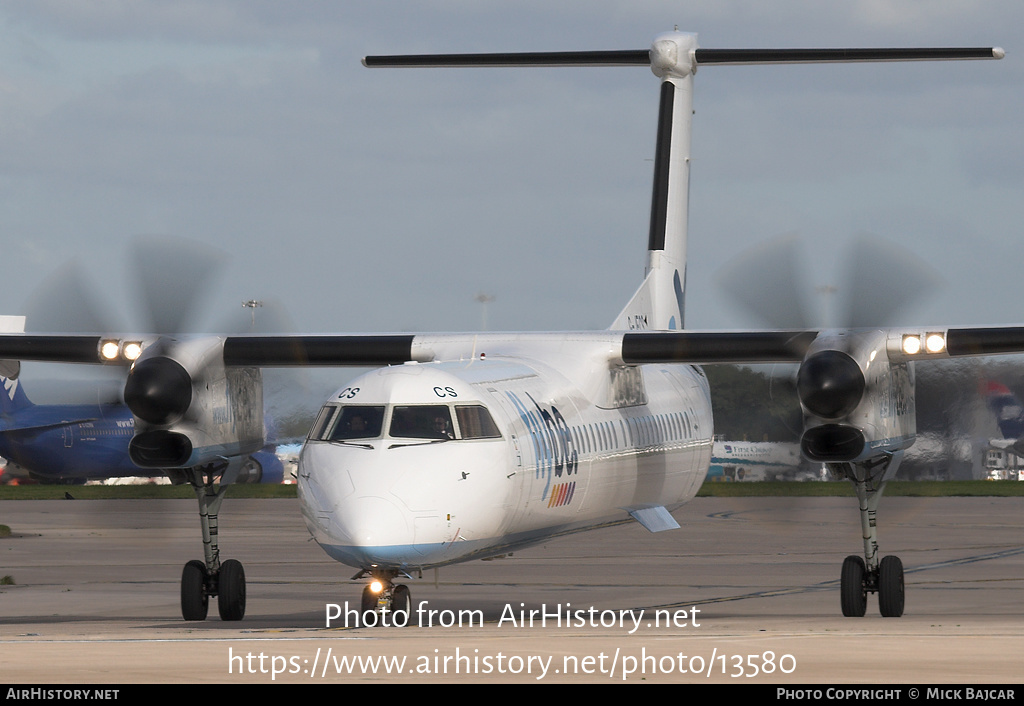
701 57
625 57
828 56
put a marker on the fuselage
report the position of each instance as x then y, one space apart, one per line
427 464
64 442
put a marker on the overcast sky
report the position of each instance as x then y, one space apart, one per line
387 200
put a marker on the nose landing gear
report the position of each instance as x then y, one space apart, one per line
384 602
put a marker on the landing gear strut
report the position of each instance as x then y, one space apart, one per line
383 602
202 579
859 577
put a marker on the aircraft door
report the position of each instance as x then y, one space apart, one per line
515 432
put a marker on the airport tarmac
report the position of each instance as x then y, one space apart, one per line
95 600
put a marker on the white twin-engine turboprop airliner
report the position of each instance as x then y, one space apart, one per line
470 445
427 464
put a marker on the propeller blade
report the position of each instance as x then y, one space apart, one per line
66 302
884 280
765 282
173 276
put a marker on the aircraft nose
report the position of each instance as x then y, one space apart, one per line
371 527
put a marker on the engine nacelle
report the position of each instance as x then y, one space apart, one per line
189 408
857 403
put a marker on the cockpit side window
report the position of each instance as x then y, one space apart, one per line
422 422
322 421
475 422
357 422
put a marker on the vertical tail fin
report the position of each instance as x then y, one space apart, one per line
658 303
1006 407
12 397
674 58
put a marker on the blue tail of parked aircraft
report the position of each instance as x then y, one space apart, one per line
74 443
13 399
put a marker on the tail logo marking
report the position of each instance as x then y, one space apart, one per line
11 386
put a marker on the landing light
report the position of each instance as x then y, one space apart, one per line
935 343
911 345
109 350
131 350
114 351
914 344
376 586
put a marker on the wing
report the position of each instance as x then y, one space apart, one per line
843 375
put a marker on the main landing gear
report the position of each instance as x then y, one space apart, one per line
384 603
202 579
861 576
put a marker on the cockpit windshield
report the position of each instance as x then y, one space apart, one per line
428 421
433 421
349 422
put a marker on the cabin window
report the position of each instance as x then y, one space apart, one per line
475 422
422 422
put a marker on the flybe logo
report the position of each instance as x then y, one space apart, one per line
553 446
562 494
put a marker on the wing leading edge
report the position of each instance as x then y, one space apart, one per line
695 347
